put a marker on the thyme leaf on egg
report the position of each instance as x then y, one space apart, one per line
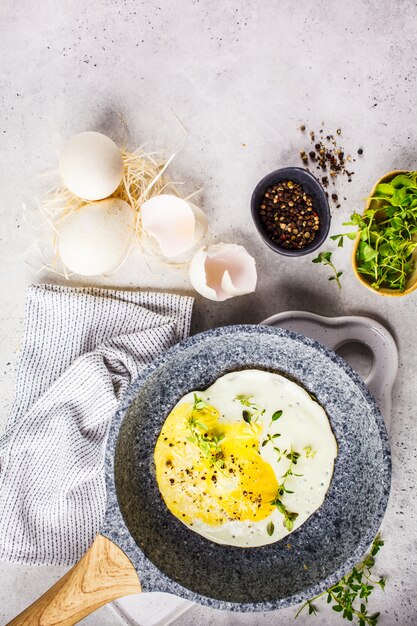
208 443
270 438
270 529
247 416
199 403
252 412
293 456
351 593
244 400
289 516
276 416
309 452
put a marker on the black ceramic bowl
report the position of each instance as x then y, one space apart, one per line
313 188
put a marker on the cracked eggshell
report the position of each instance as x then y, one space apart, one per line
175 224
222 271
91 165
97 237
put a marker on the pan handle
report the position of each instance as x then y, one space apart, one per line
103 574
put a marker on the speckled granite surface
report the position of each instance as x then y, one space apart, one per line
172 558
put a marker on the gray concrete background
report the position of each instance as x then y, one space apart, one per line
242 77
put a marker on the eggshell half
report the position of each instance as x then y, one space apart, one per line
173 222
222 271
96 238
91 165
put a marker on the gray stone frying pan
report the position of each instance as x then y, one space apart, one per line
142 540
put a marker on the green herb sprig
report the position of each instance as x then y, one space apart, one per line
289 516
309 452
388 234
208 444
350 595
270 439
252 412
326 259
276 416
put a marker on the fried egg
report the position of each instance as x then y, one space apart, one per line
246 461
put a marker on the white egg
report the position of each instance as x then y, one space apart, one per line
91 166
223 270
96 238
233 504
174 223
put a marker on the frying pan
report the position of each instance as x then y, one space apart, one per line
142 540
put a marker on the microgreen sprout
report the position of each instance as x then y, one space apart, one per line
388 234
326 259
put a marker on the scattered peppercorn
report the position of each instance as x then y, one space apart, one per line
288 215
328 157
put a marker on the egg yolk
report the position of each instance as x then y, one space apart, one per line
211 470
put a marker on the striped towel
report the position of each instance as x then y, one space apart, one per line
81 349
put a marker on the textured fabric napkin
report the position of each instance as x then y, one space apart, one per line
81 349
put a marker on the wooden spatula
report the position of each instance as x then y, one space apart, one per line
103 574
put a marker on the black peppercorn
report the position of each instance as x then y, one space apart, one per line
280 211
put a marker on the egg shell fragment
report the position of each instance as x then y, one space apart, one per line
96 238
91 165
173 222
222 271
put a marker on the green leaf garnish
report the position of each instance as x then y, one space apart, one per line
350 595
208 443
253 411
309 452
326 259
388 234
276 416
247 416
270 529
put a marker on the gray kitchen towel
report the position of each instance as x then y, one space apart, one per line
81 348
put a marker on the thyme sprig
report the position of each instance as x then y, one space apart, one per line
252 411
309 452
289 516
270 439
208 444
350 595
326 259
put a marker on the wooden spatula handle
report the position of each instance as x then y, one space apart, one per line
103 574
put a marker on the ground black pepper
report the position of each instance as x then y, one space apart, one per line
288 215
